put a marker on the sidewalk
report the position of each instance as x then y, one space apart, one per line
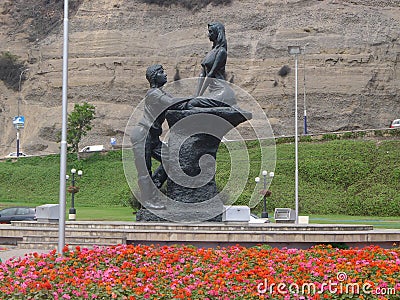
8 252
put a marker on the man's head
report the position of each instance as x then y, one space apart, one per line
156 76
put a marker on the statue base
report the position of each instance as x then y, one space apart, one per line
145 215
194 139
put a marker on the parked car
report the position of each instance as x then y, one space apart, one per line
17 214
395 124
14 155
94 148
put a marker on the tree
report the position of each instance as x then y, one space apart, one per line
79 123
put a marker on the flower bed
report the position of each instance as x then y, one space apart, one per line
184 272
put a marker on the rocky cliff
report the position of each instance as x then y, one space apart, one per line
350 63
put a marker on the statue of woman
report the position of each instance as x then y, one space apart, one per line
212 76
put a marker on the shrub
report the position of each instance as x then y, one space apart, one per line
284 140
284 71
306 138
10 70
379 133
329 137
348 135
361 134
394 132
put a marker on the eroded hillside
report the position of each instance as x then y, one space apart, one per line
351 60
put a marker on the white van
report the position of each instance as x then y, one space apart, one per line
93 148
395 124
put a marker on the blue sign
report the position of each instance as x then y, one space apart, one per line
19 122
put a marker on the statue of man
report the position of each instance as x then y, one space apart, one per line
145 136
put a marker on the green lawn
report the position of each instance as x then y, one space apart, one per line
120 213
85 213
377 222
104 213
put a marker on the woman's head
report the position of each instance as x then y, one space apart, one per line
216 33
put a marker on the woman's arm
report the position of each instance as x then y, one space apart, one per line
201 82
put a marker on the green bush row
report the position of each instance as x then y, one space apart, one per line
348 135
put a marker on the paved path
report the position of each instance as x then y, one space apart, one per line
7 252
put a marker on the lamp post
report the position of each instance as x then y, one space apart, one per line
296 50
18 126
304 89
73 189
265 192
63 147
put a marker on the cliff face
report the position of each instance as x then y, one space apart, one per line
351 62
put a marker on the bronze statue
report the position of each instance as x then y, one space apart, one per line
212 76
197 125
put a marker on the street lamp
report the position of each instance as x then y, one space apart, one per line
19 125
265 192
304 88
63 143
73 189
296 50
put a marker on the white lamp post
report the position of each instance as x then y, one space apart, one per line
296 50
304 89
73 189
264 173
63 150
18 126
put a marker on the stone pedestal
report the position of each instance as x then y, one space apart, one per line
193 143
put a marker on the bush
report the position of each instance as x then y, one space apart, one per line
10 70
394 132
284 71
284 140
379 133
348 135
329 137
361 134
306 138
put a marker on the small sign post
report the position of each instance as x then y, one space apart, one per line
113 142
19 122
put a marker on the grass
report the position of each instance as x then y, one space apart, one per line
339 177
88 213
125 214
35 180
113 213
377 222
